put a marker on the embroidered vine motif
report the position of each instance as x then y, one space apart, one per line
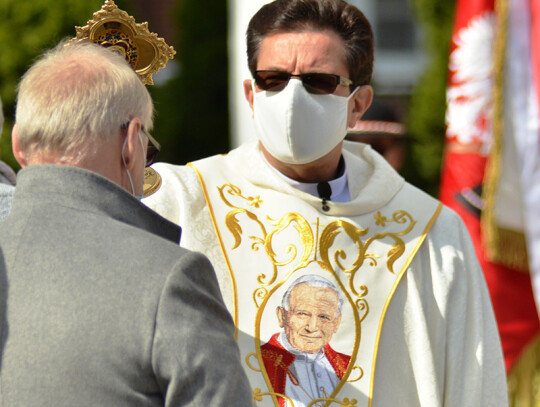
346 402
313 242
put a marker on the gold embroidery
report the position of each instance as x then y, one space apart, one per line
391 294
309 242
331 231
328 236
359 376
361 302
220 240
346 402
312 243
305 234
230 219
248 362
233 225
258 396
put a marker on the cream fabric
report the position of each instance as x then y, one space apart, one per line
439 344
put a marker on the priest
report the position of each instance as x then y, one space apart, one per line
417 318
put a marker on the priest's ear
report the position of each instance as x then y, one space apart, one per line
359 103
248 92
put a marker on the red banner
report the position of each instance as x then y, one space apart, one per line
469 142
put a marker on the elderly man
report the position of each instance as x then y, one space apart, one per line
99 304
418 321
310 315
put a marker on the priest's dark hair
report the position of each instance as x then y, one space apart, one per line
283 16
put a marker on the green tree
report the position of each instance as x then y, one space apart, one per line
28 28
425 121
192 119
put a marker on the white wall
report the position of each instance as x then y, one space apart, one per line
240 12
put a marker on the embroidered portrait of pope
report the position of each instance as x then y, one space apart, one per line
299 360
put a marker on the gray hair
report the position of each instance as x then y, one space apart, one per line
75 96
312 280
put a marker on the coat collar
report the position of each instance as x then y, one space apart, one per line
87 191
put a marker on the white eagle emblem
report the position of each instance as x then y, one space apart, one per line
469 93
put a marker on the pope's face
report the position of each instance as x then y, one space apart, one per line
312 318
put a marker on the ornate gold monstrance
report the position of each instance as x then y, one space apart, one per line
114 28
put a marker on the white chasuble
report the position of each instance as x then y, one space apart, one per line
352 265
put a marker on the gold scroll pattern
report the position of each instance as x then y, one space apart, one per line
346 402
315 243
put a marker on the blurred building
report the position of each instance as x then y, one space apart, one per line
399 57
382 129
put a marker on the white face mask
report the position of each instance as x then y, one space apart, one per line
298 127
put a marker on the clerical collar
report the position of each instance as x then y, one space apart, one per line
338 186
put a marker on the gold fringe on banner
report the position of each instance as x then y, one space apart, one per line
512 249
524 378
503 246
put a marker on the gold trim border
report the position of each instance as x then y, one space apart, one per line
221 245
391 295
490 235
501 245
524 377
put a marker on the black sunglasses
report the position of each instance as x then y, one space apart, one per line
317 83
153 148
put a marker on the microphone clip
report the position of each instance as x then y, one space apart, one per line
325 192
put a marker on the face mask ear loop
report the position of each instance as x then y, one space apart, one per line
127 171
353 92
139 197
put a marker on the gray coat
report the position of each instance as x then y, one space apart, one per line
6 196
101 307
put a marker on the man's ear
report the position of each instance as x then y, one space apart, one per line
248 92
129 149
20 155
359 103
